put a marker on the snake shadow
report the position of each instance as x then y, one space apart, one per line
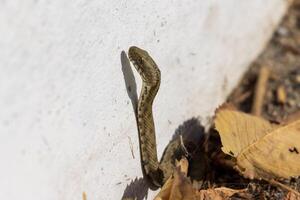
130 82
191 132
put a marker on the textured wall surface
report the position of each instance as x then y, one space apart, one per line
67 124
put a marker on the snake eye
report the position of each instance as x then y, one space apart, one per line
141 61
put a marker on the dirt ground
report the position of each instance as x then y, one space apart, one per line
282 93
282 57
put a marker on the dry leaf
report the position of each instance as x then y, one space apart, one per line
292 196
221 193
239 130
178 187
261 149
164 193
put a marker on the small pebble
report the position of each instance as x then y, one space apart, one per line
282 31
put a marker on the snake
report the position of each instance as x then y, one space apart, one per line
156 172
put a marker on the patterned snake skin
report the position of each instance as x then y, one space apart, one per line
150 75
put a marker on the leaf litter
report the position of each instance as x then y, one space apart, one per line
179 187
262 150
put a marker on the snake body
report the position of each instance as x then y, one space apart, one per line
150 75
157 172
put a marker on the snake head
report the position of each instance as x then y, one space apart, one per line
145 65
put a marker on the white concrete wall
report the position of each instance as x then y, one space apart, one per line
66 122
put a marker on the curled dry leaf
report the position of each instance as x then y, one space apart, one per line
262 150
179 187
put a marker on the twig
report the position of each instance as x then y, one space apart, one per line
84 196
242 97
260 90
183 146
131 147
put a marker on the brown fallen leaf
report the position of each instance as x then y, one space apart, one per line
221 193
179 187
262 150
239 130
292 196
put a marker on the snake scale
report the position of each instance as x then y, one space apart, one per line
156 172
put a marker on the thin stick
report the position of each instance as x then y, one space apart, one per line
242 97
84 196
183 146
260 90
